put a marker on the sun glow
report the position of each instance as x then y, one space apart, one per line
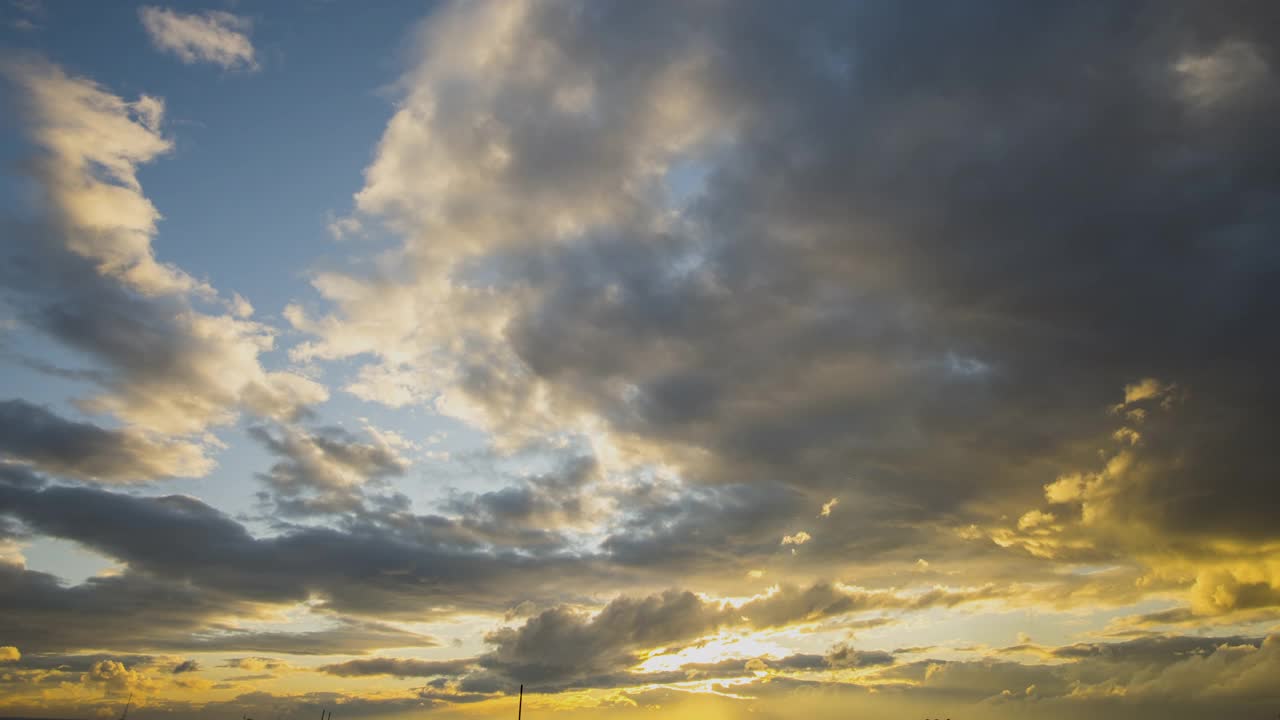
714 650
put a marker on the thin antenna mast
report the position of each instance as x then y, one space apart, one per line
124 715
520 707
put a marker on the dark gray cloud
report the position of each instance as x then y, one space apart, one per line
135 612
563 648
127 612
189 563
408 566
186 666
532 513
697 528
34 434
560 644
928 251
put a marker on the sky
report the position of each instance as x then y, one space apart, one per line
681 359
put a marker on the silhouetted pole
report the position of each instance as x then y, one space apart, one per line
520 707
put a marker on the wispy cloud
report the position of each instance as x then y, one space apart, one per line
213 36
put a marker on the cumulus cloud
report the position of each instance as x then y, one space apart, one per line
95 142
325 471
213 36
85 273
117 678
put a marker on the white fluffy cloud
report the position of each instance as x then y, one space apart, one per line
94 142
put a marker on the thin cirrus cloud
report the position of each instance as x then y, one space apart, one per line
215 37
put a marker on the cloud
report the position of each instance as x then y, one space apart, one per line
35 435
828 506
399 667
9 653
325 471
1208 672
1226 74
117 678
563 648
132 612
213 36
394 566
698 529
30 15
830 303
85 274
583 285
560 644
799 538
537 512
348 637
843 656
186 666
94 142
122 612
999 278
